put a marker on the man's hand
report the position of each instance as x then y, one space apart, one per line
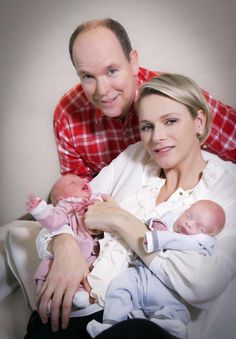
68 270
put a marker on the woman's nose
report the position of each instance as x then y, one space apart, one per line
159 134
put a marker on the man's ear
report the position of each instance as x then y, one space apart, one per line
134 61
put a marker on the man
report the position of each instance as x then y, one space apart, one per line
97 119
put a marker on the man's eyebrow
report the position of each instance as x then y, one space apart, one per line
112 65
82 72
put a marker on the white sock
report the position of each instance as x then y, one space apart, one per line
81 299
94 328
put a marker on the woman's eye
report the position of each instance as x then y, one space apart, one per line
170 121
145 128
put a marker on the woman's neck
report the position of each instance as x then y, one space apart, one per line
185 176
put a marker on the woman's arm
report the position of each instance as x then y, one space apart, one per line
107 216
68 270
195 277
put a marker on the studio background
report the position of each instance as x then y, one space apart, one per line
193 37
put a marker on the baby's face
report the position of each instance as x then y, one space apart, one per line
71 185
195 220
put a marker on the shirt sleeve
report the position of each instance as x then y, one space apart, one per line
51 217
70 159
222 139
44 237
166 240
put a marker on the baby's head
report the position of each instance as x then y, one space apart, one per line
70 185
204 216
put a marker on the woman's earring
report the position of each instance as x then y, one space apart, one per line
199 135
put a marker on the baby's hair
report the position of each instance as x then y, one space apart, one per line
54 193
218 212
53 196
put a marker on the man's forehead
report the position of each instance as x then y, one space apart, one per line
96 46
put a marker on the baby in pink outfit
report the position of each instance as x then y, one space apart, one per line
70 197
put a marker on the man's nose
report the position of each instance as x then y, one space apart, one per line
103 85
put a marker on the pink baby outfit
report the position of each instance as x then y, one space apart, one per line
69 211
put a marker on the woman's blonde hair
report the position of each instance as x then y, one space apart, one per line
182 89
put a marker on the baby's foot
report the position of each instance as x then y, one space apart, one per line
94 328
81 299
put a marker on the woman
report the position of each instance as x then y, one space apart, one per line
168 164
172 132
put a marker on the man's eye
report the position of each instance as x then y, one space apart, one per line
86 77
112 71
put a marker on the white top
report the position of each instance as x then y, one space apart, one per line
198 279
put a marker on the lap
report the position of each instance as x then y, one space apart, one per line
75 330
131 328
135 328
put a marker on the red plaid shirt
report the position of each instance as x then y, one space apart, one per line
87 140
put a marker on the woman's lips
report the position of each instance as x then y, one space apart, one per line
164 149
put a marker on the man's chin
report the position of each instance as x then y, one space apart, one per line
112 113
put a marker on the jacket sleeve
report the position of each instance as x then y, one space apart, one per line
222 139
49 216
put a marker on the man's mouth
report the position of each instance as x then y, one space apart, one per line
109 101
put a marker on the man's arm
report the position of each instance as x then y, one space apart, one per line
70 159
222 140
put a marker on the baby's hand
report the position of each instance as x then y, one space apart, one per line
159 226
32 202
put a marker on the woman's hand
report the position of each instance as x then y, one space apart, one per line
68 270
101 216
